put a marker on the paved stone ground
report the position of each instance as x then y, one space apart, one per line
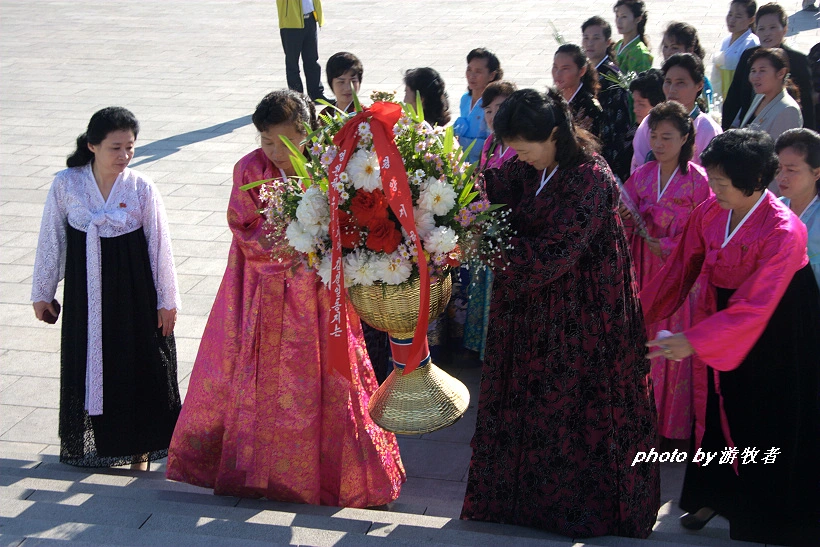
193 72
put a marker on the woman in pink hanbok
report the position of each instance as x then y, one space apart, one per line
265 414
477 283
754 345
494 153
665 191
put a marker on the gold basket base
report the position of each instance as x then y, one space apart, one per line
423 401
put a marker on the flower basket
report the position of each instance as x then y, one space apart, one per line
383 208
426 399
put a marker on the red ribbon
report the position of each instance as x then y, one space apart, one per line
382 117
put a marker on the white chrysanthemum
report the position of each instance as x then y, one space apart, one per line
363 169
440 240
300 238
313 210
425 221
392 269
438 197
360 269
324 270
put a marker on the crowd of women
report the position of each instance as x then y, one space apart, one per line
657 294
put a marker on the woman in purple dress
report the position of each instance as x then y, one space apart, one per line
565 403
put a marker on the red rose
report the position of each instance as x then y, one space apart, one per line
366 206
351 235
383 235
454 258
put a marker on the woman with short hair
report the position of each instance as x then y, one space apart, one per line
754 345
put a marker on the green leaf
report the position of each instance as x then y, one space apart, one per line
255 184
356 104
468 199
297 159
495 207
448 139
467 152
419 108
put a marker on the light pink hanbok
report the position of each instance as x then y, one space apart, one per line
265 415
665 212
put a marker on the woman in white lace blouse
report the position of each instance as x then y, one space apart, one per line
104 231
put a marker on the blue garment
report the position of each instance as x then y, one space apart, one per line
471 127
708 93
811 218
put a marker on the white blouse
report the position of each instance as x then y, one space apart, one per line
133 202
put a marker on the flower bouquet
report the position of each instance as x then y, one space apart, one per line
386 206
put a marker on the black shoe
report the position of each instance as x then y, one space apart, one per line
331 101
691 522
812 8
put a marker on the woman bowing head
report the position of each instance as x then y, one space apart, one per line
265 415
564 402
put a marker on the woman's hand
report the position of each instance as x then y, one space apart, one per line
41 307
166 319
674 348
654 245
624 211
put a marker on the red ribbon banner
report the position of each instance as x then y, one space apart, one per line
382 117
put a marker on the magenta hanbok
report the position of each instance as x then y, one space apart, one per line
665 212
265 414
494 153
755 373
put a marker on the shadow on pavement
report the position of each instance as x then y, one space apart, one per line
165 147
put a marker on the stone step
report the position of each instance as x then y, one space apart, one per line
47 491
53 503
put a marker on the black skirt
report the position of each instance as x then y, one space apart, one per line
771 401
141 399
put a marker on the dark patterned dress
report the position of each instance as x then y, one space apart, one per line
615 121
564 403
586 111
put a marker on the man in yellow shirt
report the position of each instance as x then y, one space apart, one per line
299 22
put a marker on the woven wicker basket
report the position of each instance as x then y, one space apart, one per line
395 308
428 398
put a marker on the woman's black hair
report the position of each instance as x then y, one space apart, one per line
692 63
598 21
531 116
590 77
649 84
501 88
746 156
493 64
685 35
772 8
806 143
750 5
676 114
779 59
340 63
103 122
284 106
430 86
638 9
